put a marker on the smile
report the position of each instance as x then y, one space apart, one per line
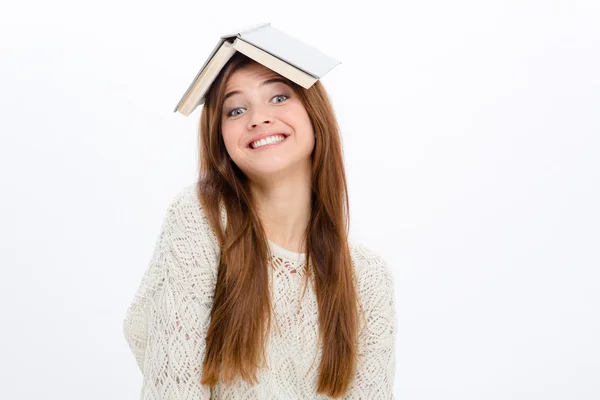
268 141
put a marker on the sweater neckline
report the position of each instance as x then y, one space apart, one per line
287 254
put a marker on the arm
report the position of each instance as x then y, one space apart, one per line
376 365
135 324
167 321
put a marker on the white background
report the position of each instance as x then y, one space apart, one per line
471 138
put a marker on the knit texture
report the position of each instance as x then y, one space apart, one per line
165 326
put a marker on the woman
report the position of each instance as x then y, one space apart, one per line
255 290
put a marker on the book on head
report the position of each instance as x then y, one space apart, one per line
276 50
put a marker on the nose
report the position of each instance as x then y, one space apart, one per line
259 116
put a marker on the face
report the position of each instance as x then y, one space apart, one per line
256 106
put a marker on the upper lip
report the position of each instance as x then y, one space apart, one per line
264 135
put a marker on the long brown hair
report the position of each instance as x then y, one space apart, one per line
241 304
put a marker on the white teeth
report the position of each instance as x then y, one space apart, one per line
268 140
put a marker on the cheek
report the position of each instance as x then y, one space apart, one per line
298 117
230 133
230 141
307 125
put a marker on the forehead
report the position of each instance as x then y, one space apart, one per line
250 75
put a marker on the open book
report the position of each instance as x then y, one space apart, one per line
266 45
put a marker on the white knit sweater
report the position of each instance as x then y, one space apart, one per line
165 325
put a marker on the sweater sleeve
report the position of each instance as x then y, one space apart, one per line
376 364
166 323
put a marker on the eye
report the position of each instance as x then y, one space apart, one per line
233 113
281 95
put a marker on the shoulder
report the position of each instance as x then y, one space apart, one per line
191 239
373 273
368 261
186 208
184 198
181 211
185 211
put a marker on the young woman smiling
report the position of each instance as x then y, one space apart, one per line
255 290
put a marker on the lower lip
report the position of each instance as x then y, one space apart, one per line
268 146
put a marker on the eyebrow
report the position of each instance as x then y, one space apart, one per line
263 83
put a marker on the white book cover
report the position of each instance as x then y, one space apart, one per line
285 47
289 49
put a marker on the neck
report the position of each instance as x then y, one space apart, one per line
283 204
